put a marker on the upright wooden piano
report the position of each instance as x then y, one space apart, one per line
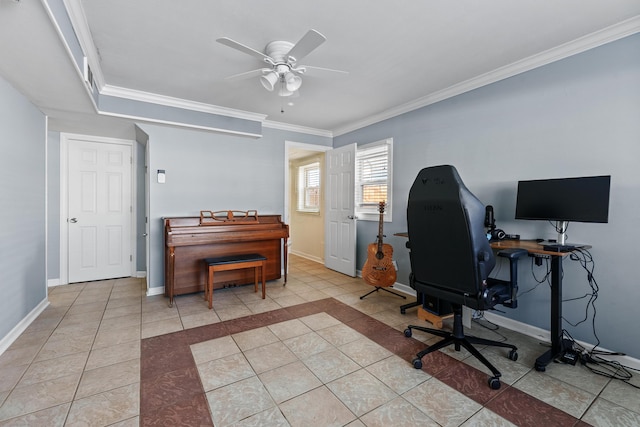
188 240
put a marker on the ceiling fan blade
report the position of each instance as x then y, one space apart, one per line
310 70
247 74
307 43
242 48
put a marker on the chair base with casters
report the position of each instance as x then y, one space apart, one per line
379 288
416 303
459 339
501 291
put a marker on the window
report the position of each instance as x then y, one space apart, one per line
373 179
309 187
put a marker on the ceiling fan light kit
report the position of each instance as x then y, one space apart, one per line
282 56
292 81
269 80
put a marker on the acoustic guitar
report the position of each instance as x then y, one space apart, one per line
379 270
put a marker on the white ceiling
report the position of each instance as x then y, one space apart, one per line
400 55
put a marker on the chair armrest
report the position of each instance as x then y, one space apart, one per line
513 255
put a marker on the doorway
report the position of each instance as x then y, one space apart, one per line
97 209
306 226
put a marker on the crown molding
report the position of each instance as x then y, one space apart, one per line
607 35
180 124
295 128
168 101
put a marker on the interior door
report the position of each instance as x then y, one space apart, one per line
99 210
340 226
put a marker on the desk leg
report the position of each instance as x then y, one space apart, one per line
558 345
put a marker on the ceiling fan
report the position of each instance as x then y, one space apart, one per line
283 73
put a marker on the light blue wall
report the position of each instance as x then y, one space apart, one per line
53 206
22 207
576 117
206 171
140 173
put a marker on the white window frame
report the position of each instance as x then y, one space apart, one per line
301 187
370 212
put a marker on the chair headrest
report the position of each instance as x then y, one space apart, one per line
447 238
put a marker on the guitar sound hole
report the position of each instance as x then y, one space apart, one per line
379 255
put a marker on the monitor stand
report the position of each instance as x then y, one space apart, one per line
561 228
561 245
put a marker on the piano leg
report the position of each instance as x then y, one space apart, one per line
284 252
171 278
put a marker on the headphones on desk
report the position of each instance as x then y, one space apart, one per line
497 234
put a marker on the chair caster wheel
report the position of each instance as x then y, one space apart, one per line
417 363
494 383
513 355
540 368
407 333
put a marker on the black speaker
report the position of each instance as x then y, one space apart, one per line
435 305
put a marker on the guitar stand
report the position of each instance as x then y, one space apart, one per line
384 289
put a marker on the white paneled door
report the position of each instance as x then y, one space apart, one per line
340 220
99 210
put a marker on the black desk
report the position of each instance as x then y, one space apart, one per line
558 344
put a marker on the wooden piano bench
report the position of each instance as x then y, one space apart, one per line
235 262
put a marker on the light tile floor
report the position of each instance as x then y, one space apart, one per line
78 363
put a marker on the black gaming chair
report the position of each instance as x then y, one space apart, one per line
451 258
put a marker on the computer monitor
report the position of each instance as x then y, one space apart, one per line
564 200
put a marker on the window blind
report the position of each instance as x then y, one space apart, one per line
373 176
309 187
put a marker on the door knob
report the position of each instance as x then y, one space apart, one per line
352 217
73 220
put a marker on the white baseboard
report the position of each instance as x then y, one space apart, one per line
159 290
404 289
53 282
22 326
141 274
545 336
307 256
